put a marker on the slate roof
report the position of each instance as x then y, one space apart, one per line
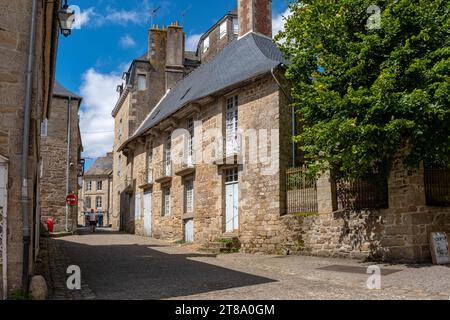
59 90
101 166
240 60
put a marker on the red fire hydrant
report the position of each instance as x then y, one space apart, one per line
50 225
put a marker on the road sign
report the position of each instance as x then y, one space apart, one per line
71 199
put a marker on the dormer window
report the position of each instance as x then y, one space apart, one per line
142 82
235 26
223 29
206 44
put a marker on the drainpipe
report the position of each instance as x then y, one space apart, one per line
292 114
24 198
69 146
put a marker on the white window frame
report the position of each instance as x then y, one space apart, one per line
223 29
189 196
99 200
88 202
88 185
206 44
99 185
190 142
44 128
235 26
167 203
142 82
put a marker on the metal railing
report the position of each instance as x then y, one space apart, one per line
183 162
301 191
162 169
437 186
231 146
360 194
145 176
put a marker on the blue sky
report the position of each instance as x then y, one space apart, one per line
114 32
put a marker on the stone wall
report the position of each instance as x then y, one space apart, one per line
216 44
54 165
15 17
399 233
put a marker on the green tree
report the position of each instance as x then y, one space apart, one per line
364 95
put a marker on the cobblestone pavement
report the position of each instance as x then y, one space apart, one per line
121 266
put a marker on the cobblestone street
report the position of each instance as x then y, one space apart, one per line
121 266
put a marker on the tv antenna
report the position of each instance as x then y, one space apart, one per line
184 13
153 15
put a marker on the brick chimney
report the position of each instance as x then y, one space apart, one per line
255 16
174 55
157 39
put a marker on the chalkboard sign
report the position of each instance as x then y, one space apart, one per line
439 248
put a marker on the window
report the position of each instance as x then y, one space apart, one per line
231 175
119 166
87 203
99 185
142 82
235 26
190 128
168 155
120 129
223 29
89 186
150 155
137 206
98 202
231 123
44 127
206 44
189 197
166 202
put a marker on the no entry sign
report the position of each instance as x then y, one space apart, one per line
71 199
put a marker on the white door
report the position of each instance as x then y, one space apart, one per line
189 230
231 200
148 213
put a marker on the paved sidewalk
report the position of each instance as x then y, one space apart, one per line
121 266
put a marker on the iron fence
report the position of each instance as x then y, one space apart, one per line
360 194
301 191
437 186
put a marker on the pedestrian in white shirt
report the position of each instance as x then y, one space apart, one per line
92 220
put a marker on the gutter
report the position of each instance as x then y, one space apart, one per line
24 198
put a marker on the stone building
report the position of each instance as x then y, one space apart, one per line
56 163
28 43
96 192
196 187
147 80
213 159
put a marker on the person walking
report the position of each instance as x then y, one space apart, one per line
92 220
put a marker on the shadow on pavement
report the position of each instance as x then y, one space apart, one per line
140 272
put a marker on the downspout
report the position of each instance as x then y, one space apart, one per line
24 198
292 114
69 146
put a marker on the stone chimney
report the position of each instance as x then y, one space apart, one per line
174 55
157 41
255 16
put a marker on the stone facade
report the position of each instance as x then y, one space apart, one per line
165 63
15 21
96 191
53 169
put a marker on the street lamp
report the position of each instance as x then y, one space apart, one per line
65 19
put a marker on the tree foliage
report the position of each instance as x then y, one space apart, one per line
365 95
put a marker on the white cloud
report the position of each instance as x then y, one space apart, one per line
279 21
127 41
192 42
96 124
